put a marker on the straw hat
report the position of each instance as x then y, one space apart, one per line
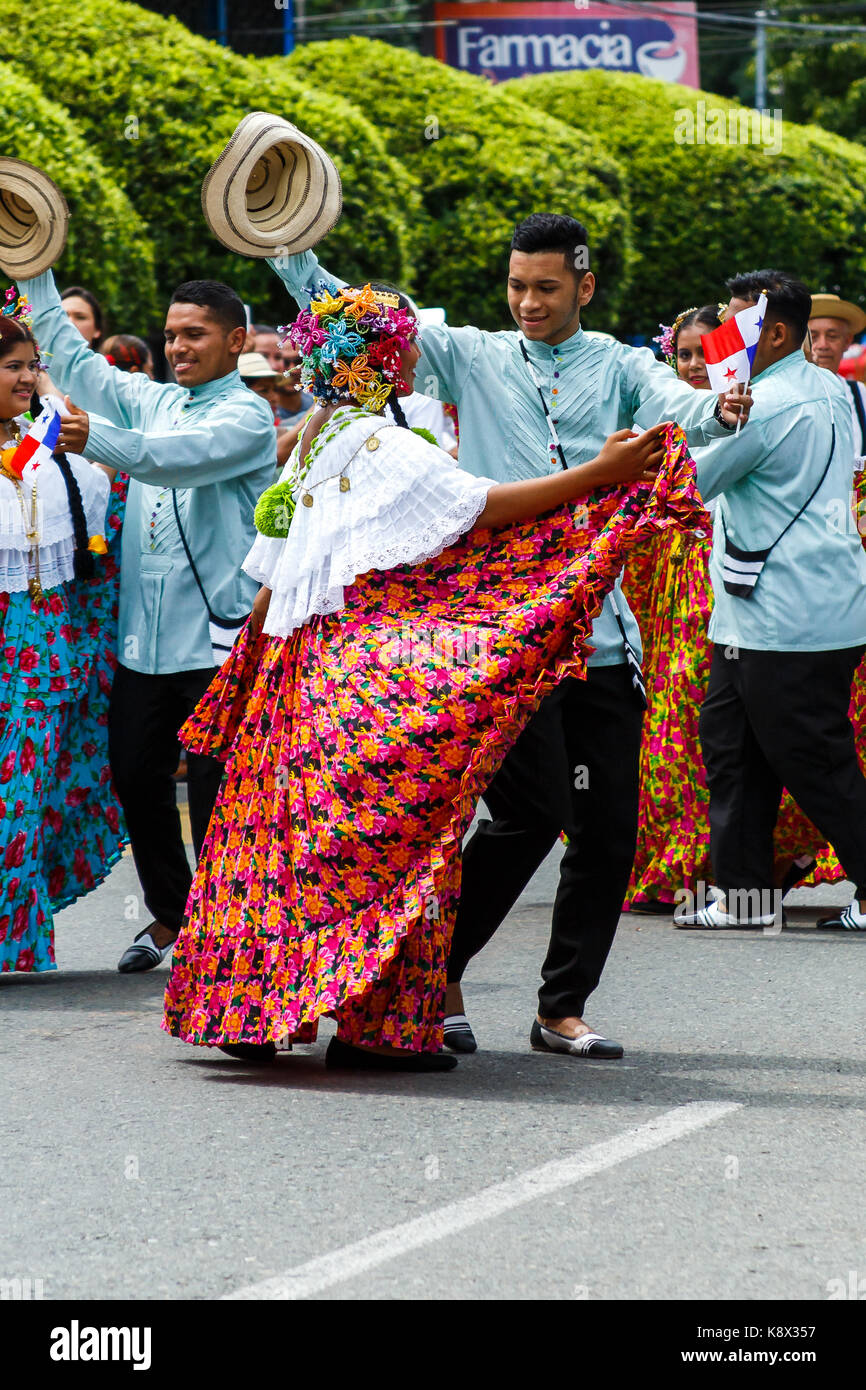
33 220
273 190
254 365
830 306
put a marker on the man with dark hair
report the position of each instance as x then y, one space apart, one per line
789 622
530 402
200 453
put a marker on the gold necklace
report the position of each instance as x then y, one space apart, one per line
34 585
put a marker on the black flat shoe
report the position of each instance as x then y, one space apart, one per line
652 907
459 1036
344 1057
258 1054
587 1045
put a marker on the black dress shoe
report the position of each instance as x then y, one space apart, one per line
143 954
459 1036
257 1054
587 1045
345 1057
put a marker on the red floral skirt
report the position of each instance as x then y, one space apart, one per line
356 751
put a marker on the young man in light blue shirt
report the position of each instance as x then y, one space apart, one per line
200 453
789 623
575 767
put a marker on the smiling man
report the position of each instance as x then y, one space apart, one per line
529 403
200 453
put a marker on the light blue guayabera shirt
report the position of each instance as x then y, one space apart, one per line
602 386
215 444
811 595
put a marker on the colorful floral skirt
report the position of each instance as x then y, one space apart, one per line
356 752
673 849
61 827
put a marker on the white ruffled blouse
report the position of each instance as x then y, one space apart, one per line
407 501
53 519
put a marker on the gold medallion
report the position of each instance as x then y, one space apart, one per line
373 443
34 588
344 484
307 499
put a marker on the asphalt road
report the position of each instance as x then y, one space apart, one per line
722 1158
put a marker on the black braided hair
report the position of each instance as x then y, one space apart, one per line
83 564
397 411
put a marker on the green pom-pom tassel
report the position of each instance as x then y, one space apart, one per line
274 511
425 434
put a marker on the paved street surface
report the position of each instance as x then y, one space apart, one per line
722 1158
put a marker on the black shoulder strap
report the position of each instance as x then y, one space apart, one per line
860 412
189 556
814 489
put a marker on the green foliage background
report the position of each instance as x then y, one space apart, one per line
483 162
703 212
437 167
121 70
104 229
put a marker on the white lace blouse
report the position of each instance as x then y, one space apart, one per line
406 501
53 519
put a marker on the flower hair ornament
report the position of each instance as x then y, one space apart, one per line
350 342
667 339
18 307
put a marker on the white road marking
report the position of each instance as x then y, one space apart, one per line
351 1260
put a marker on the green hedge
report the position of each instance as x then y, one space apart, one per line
108 248
702 212
116 65
484 162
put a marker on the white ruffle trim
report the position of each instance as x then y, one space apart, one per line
56 565
407 502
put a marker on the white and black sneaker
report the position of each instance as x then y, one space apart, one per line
713 917
849 919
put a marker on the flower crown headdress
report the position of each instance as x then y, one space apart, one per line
350 342
667 339
18 307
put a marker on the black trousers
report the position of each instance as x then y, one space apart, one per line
772 720
144 717
574 768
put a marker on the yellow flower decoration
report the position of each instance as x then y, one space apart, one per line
373 396
96 545
354 377
360 302
328 304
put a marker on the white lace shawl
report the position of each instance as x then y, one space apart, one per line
407 501
54 521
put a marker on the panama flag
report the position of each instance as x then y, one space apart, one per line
729 350
37 446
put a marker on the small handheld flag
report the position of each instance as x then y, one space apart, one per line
38 443
729 350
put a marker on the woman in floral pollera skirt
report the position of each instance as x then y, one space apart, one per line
414 618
